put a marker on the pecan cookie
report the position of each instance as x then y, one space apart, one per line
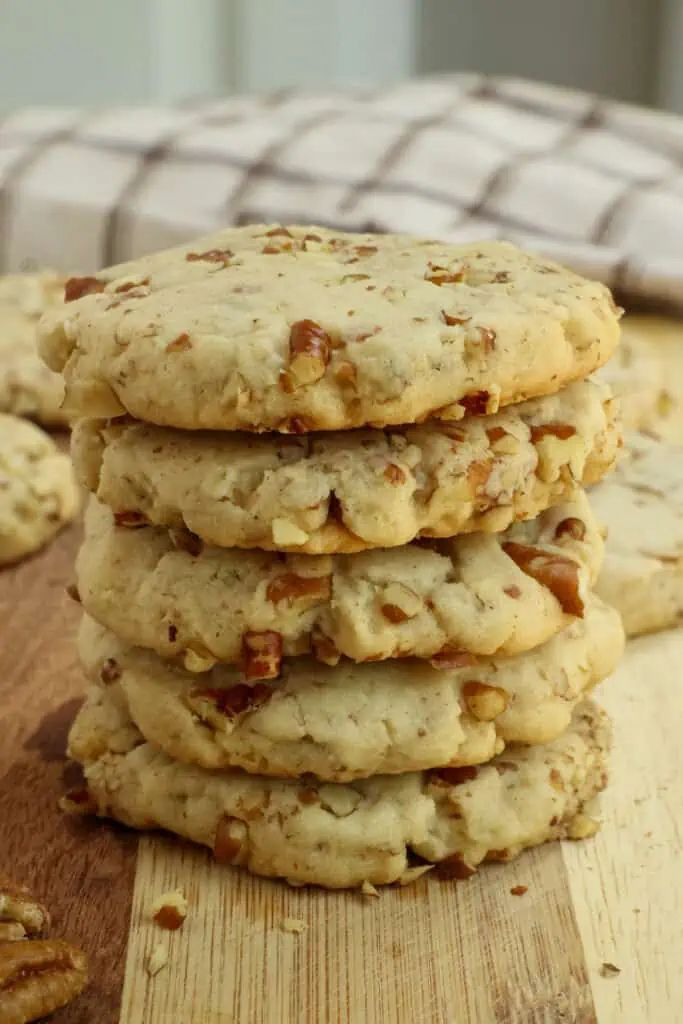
646 373
27 387
300 329
38 493
351 721
338 836
482 593
347 492
642 508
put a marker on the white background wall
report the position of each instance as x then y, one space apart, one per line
95 51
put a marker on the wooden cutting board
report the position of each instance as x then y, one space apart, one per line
434 953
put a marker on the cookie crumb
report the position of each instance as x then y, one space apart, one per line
412 874
157 959
608 970
519 890
368 889
170 910
293 924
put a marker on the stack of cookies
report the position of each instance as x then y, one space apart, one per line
338 562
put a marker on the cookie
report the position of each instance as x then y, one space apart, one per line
347 492
642 508
38 493
351 721
27 387
341 835
482 593
646 373
261 328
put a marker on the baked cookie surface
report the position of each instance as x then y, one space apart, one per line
641 505
301 329
340 836
350 721
481 593
350 491
38 492
27 387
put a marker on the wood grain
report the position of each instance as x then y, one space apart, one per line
83 872
627 885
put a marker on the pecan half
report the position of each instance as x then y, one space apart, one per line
291 587
484 702
309 354
38 977
559 574
77 287
233 701
261 654
18 905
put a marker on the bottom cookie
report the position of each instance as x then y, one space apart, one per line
377 830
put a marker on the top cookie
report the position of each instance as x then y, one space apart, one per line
300 329
27 387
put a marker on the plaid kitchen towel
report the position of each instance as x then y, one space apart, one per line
595 184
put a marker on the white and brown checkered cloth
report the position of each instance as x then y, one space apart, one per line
595 184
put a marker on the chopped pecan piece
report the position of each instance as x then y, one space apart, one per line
78 801
180 344
519 890
324 649
563 431
345 372
185 540
210 256
170 910
455 775
77 287
72 591
572 527
233 701
495 434
291 587
38 977
129 285
483 701
454 321
478 474
309 354
110 672
261 654
512 591
130 518
454 868
228 845
559 574
394 614
281 232
475 404
394 474
442 275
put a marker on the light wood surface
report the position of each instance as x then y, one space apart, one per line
434 953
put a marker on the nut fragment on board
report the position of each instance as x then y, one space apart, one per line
170 910
294 925
368 889
38 977
157 959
